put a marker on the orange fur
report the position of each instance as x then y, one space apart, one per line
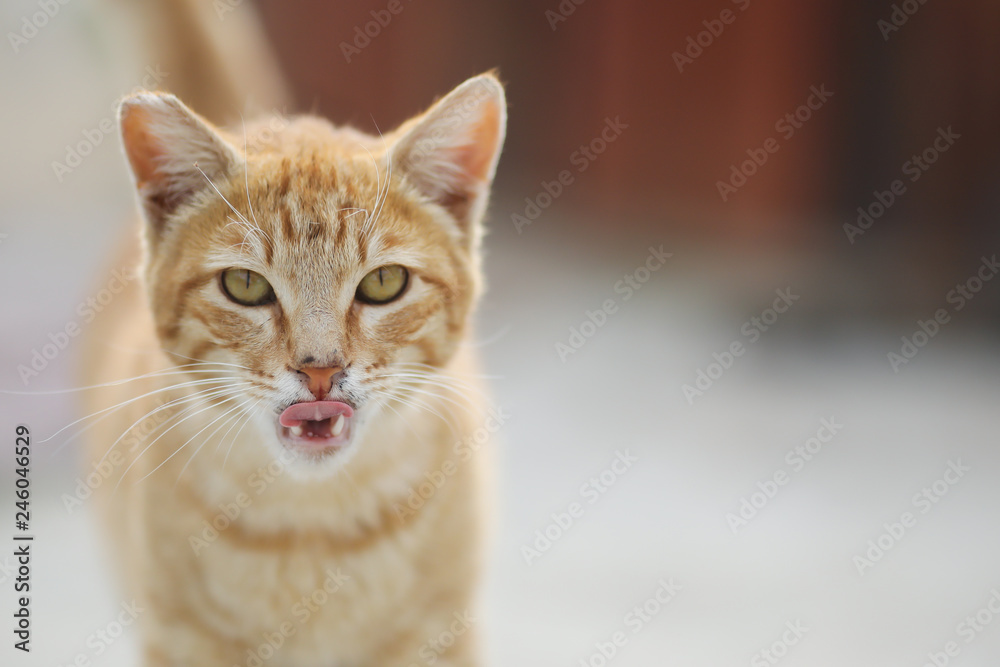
313 208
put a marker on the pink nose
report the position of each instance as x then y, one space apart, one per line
320 379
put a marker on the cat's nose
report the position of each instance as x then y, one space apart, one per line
320 380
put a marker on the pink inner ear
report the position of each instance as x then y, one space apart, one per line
141 147
476 158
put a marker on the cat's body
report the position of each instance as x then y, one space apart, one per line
242 539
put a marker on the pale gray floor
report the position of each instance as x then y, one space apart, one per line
666 517
663 519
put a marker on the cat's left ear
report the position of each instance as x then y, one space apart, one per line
172 152
450 153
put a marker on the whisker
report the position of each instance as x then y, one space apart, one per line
413 387
443 380
113 383
197 396
378 190
207 438
137 398
222 363
158 408
251 230
237 436
386 401
360 210
231 421
418 394
225 435
210 406
233 208
416 403
388 177
437 371
246 176
250 233
452 384
97 421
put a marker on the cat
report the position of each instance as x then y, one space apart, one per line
290 368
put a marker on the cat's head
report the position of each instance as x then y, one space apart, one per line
310 274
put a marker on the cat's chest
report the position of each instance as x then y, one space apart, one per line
309 597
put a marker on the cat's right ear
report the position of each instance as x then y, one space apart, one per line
173 153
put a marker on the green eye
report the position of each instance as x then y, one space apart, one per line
247 288
383 284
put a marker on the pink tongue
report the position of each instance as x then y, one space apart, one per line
297 413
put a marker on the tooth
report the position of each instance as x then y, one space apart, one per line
338 426
318 417
296 430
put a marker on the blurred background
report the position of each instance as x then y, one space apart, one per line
746 246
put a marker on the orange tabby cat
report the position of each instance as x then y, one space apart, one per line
297 332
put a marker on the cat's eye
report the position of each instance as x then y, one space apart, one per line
247 288
383 284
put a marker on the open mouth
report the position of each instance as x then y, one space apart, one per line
316 425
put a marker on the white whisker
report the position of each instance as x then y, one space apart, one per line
207 438
197 396
419 404
237 436
225 435
192 383
173 370
210 406
233 208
